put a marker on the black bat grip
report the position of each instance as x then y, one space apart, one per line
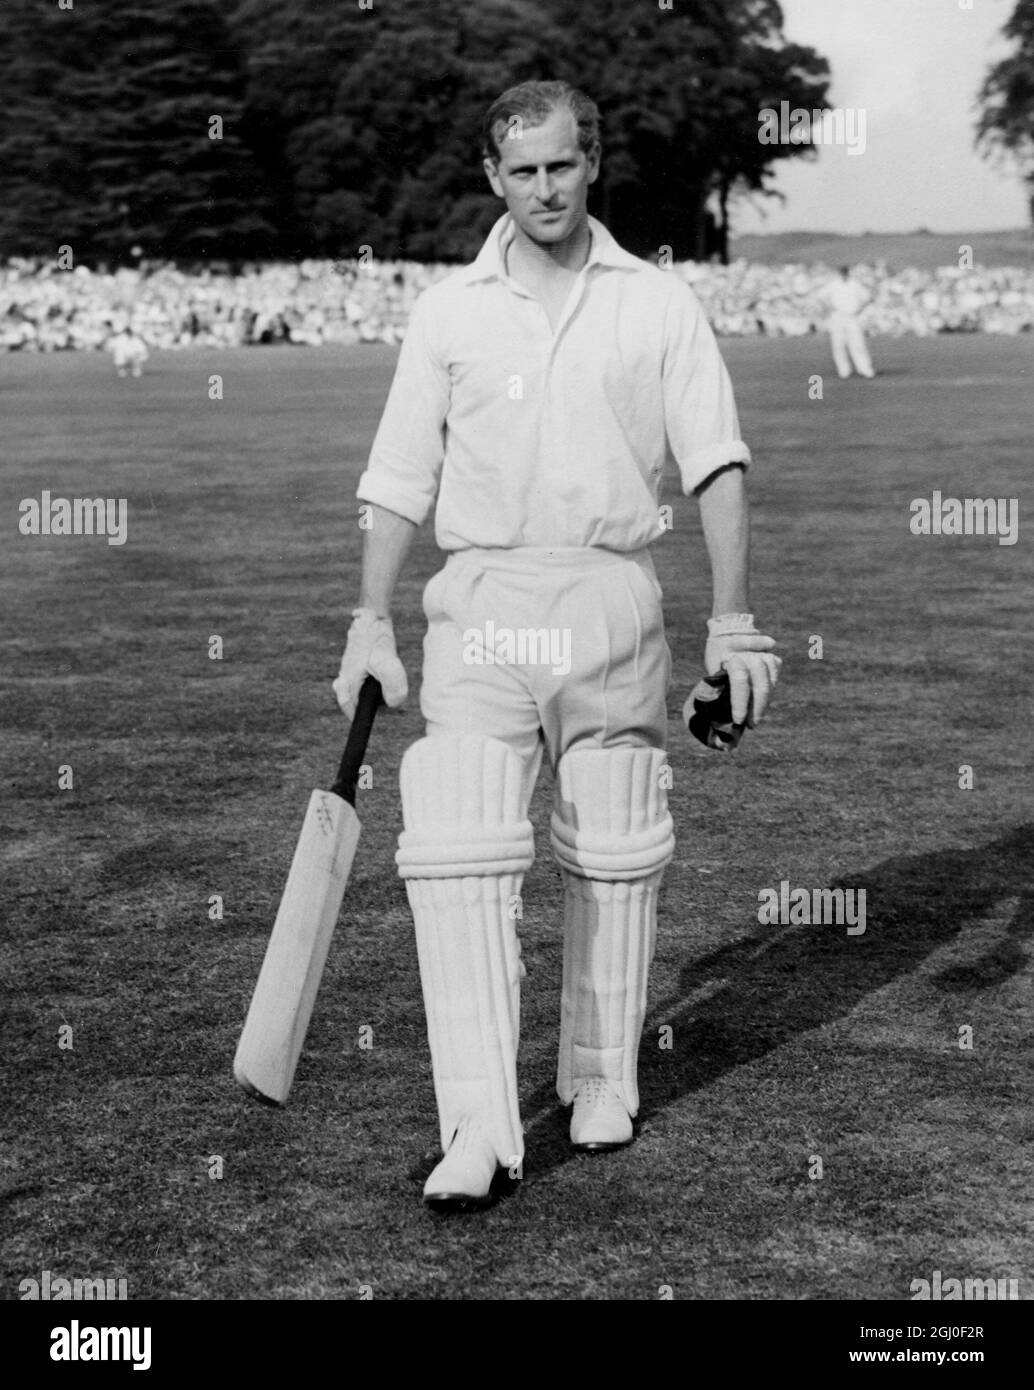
370 698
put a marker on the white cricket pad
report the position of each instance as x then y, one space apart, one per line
466 846
612 835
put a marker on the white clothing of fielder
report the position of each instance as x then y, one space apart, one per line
545 451
128 352
846 336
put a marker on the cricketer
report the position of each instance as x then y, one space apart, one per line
847 298
538 394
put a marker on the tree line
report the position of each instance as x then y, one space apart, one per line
200 130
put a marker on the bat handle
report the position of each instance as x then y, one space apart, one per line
370 697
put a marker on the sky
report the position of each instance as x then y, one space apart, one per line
915 67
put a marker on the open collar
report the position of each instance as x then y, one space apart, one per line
490 262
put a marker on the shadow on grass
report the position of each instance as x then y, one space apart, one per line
743 1001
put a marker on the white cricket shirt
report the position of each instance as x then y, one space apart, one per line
535 438
846 296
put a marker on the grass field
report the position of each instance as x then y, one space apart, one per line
132 1154
925 250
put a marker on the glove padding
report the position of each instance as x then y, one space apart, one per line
735 645
370 650
708 714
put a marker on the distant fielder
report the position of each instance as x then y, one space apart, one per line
847 299
128 351
537 394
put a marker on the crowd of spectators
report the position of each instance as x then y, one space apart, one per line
313 302
791 300
44 309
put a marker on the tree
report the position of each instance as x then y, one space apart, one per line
1007 95
680 91
106 134
345 127
367 122
40 171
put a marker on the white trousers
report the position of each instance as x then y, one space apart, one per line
547 650
847 340
530 652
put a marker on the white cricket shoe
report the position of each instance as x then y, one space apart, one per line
600 1118
463 1179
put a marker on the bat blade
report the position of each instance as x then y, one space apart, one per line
281 1006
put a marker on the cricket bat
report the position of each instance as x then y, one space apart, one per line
281 1006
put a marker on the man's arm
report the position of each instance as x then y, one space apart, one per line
726 523
734 643
399 487
385 547
704 436
371 638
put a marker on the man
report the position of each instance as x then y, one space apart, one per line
847 299
536 394
128 350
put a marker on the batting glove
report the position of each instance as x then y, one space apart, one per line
370 650
735 645
708 714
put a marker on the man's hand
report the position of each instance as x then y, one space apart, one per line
370 650
708 714
735 645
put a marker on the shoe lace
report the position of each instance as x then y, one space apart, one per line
595 1090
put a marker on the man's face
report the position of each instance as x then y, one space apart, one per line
544 177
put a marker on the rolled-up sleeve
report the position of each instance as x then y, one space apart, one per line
405 463
700 417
